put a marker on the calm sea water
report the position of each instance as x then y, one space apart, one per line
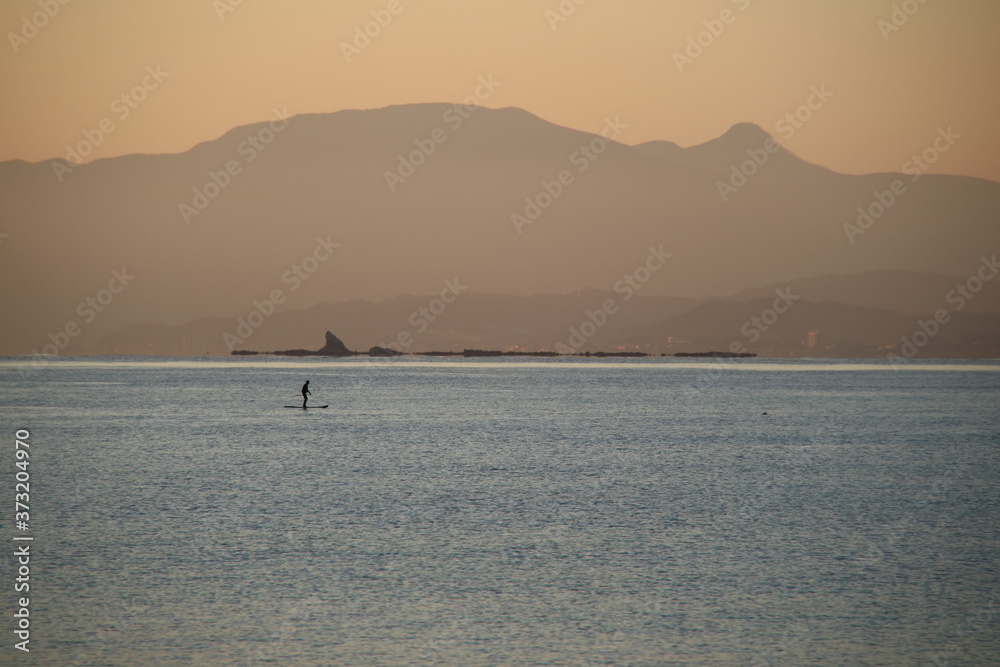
509 513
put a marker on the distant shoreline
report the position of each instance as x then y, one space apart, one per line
381 352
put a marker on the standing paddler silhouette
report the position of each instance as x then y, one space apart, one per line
305 394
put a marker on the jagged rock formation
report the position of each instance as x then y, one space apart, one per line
334 348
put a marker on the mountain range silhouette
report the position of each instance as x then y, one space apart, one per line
323 178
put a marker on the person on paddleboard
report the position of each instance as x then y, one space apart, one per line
305 394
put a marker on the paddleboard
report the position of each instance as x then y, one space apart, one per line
308 407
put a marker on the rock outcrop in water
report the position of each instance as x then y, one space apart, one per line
383 352
334 348
717 355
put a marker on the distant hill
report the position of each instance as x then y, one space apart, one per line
862 315
263 199
840 331
908 292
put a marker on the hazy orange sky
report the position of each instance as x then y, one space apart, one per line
893 72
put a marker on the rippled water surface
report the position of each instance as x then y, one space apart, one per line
510 513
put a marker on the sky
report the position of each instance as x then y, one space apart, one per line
858 86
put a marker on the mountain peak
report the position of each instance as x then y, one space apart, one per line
733 145
746 132
739 137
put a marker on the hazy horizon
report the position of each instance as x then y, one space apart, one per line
206 158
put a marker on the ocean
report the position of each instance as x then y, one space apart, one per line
504 512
